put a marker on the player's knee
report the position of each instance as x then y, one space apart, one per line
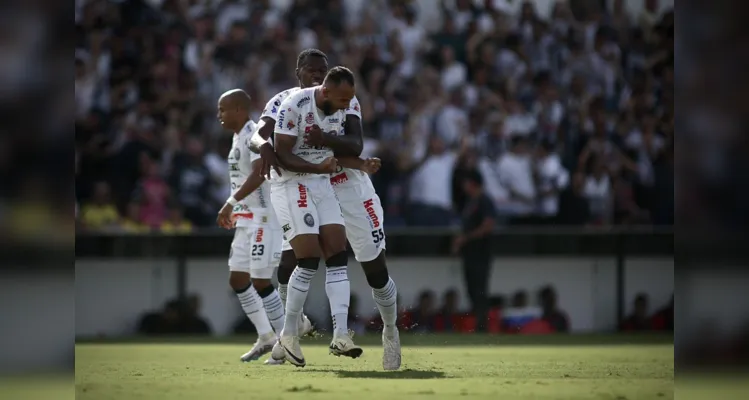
309 263
239 281
263 287
377 278
337 260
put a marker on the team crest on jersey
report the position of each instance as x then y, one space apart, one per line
290 125
236 154
277 103
302 102
310 118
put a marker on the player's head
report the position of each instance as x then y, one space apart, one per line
234 109
311 67
337 89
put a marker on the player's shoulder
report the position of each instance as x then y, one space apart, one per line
353 107
300 98
248 130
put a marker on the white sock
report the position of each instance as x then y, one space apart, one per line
297 295
338 289
386 300
253 307
282 290
274 310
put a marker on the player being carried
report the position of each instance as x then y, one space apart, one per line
360 205
256 249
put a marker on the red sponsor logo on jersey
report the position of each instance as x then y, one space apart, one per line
369 207
310 118
302 202
356 107
259 235
290 125
338 179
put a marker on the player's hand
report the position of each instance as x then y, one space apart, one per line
328 165
224 217
458 243
371 165
269 160
315 136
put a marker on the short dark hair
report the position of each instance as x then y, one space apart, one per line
475 177
302 57
339 74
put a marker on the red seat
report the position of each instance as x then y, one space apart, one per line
495 320
536 327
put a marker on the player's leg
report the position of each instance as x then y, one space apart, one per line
364 219
266 254
240 281
285 269
298 222
337 285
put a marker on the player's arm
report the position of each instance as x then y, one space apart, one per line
351 142
253 181
262 134
369 165
285 134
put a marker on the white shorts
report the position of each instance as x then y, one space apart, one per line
363 216
256 250
304 206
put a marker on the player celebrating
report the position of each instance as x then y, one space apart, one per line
308 209
360 204
255 251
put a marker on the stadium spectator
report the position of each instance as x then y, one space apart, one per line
551 179
164 322
547 299
175 223
663 319
130 223
515 172
422 317
639 320
152 194
100 213
519 313
448 318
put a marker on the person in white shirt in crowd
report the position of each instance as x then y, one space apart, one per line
452 121
547 108
519 122
515 171
552 178
454 73
430 189
597 190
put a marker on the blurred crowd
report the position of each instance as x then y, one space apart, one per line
520 315
565 107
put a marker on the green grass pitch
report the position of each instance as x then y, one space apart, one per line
434 367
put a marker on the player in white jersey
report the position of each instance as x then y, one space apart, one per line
256 248
360 205
308 209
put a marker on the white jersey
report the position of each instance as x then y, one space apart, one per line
240 166
274 104
297 114
347 177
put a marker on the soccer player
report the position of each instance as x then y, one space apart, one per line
360 205
256 249
308 209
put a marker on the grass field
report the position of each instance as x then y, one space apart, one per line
434 367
